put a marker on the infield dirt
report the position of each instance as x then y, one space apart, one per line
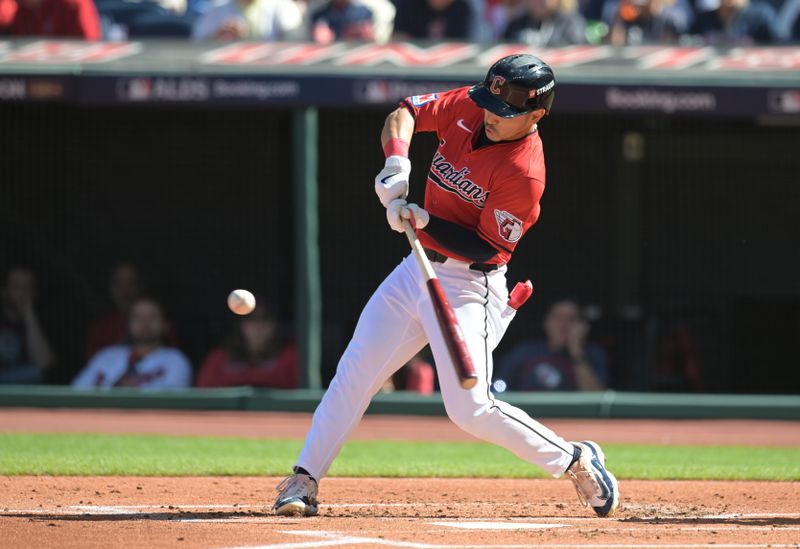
125 512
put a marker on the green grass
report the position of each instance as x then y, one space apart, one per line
152 455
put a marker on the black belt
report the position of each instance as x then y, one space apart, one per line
436 257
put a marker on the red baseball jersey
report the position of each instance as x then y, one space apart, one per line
494 190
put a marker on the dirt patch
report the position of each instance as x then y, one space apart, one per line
125 512
288 425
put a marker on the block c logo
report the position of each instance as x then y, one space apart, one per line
494 87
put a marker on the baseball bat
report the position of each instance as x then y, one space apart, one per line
451 331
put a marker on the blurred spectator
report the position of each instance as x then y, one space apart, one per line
736 22
24 350
8 8
62 18
416 375
177 7
254 355
499 13
678 362
592 10
383 12
342 20
421 377
564 362
145 361
125 287
433 20
249 20
636 22
788 21
548 23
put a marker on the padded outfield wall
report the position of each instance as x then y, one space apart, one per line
672 194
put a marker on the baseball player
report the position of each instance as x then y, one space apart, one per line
482 195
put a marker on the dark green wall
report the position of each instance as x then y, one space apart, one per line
700 230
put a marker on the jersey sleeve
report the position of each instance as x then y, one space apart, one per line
511 209
433 111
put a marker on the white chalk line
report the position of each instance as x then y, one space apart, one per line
329 539
496 525
466 524
147 509
750 515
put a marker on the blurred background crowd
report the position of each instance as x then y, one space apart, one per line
135 344
541 23
684 313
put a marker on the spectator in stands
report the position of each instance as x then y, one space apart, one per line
249 20
417 376
678 361
548 23
383 13
24 350
433 20
254 355
736 22
636 22
564 362
125 287
420 377
499 13
144 361
8 9
788 21
61 18
342 20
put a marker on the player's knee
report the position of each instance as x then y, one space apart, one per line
469 416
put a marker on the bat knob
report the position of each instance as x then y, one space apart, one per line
469 382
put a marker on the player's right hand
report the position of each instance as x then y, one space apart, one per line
392 182
399 210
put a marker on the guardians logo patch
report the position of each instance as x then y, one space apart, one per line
446 177
508 226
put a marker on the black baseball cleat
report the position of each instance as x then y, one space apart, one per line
297 497
595 485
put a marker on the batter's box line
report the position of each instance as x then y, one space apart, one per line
144 508
332 539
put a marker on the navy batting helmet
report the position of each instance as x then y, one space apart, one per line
515 85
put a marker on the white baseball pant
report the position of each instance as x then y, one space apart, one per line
396 323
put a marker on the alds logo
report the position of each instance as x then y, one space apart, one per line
445 176
509 227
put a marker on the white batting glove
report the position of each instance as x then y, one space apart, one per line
398 210
392 182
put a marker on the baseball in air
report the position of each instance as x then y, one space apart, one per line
241 302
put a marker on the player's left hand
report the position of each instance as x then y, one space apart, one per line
399 209
392 182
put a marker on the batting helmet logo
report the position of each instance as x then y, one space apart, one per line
498 81
508 226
